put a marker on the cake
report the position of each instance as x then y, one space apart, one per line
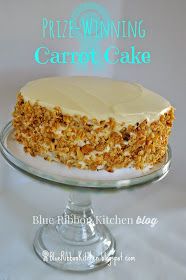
93 123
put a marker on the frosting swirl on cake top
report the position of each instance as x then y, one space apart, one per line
96 97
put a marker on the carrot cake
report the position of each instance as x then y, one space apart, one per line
93 123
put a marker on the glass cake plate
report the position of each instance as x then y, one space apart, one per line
78 242
59 173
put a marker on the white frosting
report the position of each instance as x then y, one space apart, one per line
96 97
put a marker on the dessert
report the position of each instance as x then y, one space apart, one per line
93 123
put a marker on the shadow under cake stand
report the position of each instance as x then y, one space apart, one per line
76 242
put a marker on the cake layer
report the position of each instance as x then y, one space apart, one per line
89 143
99 98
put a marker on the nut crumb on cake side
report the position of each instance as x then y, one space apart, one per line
77 141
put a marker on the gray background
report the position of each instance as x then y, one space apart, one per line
20 35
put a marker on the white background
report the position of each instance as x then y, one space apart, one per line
160 252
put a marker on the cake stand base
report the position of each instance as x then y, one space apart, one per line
78 243
75 241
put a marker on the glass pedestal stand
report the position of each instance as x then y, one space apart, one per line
75 241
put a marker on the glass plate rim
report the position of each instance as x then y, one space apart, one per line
156 175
